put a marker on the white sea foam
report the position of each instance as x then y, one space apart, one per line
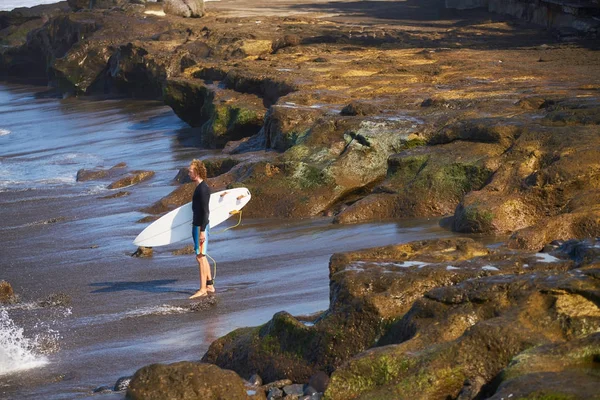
17 352
451 268
164 309
4 132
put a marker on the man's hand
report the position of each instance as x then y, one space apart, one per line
202 237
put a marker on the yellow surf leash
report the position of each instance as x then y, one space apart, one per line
239 212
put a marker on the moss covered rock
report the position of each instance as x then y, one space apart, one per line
566 370
7 295
133 178
468 332
426 181
187 381
544 186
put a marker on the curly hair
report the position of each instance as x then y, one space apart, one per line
199 168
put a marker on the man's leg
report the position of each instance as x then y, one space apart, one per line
201 259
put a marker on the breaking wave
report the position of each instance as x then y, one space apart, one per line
17 352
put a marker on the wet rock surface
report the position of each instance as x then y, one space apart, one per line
452 313
7 294
186 380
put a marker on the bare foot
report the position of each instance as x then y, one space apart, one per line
210 288
199 293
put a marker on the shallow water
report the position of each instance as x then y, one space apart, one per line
61 236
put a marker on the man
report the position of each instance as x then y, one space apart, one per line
200 226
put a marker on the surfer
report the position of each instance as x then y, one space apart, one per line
200 226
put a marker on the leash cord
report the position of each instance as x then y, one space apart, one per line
214 275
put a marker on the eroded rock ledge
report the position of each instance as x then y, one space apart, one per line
492 122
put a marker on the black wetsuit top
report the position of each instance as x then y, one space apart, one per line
200 205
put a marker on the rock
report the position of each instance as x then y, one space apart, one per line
285 127
143 252
533 103
573 114
319 381
558 370
481 130
84 175
183 176
425 181
122 383
293 390
184 8
117 195
286 41
56 300
185 380
471 388
582 224
315 396
134 178
309 390
7 295
275 394
537 191
134 71
252 48
360 108
103 389
224 115
180 196
280 384
255 380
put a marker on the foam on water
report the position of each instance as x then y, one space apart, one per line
164 309
37 171
17 352
4 132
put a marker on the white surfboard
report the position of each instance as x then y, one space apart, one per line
177 224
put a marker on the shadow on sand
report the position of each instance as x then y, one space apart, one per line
155 286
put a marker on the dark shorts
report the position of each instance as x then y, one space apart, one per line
200 248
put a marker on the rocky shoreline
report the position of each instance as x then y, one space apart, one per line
360 115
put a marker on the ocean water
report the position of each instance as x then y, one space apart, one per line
72 241
7 5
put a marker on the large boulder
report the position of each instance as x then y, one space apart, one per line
184 8
187 381
223 115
